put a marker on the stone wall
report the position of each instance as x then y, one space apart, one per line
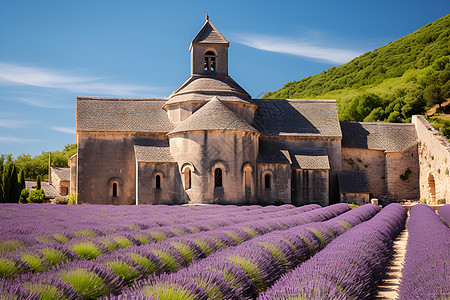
204 151
73 161
310 186
105 159
333 146
402 174
434 158
170 191
373 164
280 183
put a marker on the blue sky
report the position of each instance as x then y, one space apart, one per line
53 51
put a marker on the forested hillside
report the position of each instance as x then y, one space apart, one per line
391 83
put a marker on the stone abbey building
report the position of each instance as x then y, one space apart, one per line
211 142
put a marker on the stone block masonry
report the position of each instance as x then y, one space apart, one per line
434 159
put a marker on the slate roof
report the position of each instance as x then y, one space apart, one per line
353 182
211 116
62 173
389 137
209 35
276 152
49 190
122 114
197 87
152 150
297 117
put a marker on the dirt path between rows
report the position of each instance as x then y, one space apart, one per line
387 289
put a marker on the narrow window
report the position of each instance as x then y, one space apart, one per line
210 61
114 189
267 181
218 177
158 182
187 178
248 178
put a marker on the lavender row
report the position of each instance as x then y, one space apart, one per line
426 272
243 271
41 257
17 216
350 267
17 236
444 213
110 272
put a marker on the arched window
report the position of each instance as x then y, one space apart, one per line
217 177
114 189
210 61
158 181
248 177
187 178
267 183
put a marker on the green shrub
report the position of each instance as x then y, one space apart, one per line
36 196
24 196
72 199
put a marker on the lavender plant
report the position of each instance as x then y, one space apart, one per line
426 272
444 213
350 266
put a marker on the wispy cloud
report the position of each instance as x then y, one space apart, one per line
11 74
298 48
14 123
70 130
37 102
11 139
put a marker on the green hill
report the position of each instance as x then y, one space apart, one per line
391 83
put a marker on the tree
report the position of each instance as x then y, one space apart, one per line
38 182
433 95
11 187
22 179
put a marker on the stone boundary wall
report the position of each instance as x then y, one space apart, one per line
434 159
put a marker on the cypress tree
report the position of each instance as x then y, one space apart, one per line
38 182
22 179
7 182
15 189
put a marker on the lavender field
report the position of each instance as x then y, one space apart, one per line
213 252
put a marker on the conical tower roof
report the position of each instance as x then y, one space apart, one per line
214 115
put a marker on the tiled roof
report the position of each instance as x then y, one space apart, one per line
213 115
62 173
122 114
297 117
207 97
49 190
277 152
310 158
208 86
353 182
152 150
389 137
209 35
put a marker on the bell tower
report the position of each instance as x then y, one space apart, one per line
209 52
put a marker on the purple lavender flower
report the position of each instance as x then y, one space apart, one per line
444 213
426 272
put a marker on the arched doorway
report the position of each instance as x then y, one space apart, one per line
432 189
